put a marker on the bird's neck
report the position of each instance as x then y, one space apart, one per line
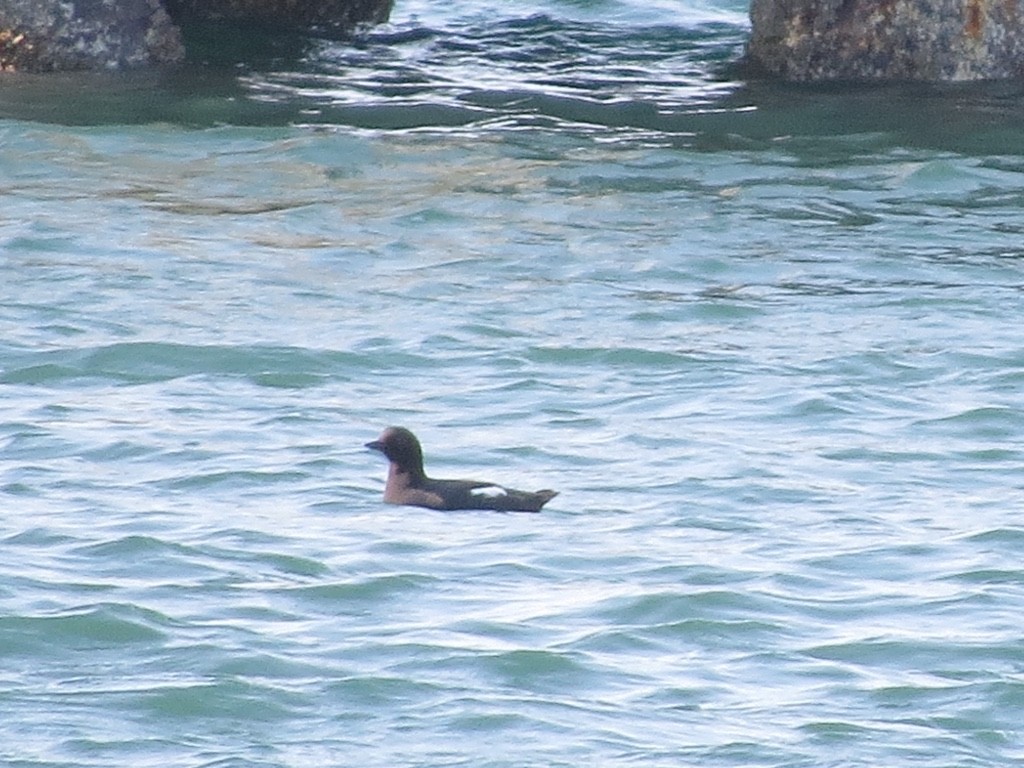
401 477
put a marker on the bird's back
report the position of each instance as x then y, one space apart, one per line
470 494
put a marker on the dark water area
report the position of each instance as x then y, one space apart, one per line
677 85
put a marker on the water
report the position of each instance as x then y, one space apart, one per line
764 340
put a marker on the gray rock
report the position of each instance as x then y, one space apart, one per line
52 35
48 35
935 40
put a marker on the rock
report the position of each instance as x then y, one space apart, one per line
48 35
935 40
51 35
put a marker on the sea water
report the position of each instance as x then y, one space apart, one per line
765 341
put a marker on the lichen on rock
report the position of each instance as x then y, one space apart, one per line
934 40
42 35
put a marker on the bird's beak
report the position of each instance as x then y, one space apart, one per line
376 445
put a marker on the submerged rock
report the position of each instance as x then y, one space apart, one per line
52 35
325 14
937 40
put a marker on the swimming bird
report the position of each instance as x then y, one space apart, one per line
408 484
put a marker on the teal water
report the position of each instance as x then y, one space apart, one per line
764 340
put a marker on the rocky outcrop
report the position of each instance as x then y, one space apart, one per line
44 35
936 40
51 35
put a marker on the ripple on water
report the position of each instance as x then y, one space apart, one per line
145 362
99 627
359 594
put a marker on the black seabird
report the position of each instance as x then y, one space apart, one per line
408 484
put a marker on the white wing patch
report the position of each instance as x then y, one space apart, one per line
490 491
